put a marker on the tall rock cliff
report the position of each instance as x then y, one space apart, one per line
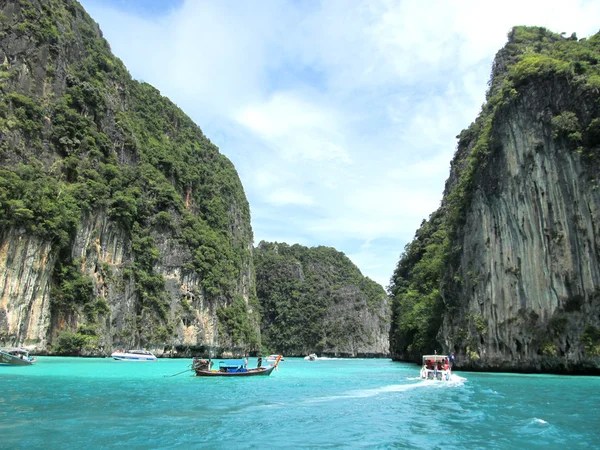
517 237
316 300
121 224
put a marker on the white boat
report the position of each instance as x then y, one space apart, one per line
134 355
311 357
436 367
273 358
16 356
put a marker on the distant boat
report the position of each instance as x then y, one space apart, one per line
311 357
134 355
273 358
16 356
203 368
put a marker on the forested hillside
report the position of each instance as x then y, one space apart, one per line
507 272
121 224
316 300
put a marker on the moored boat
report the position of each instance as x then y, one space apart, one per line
134 355
203 368
16 356
436 367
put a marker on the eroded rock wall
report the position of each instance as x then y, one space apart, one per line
529 268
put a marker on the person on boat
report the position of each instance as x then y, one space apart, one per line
259 363
446 365
451 359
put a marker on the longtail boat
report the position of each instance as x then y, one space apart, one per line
16 356
203 368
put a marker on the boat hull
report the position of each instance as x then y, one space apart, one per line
262 371
134 357
10 360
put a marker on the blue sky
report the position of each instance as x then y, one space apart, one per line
341 117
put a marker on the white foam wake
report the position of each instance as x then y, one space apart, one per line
454 381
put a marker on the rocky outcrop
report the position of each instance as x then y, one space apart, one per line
122 224
24 289
316 300
530 260
518 229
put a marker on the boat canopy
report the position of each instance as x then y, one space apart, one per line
434 358
231 364
139 352
14 349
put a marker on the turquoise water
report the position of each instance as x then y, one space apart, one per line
101 403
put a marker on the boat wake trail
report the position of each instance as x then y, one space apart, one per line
364 393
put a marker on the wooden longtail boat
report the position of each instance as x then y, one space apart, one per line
16 356
202 367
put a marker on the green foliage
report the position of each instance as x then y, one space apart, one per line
557 325
549 349
72 288
591 341
104 143
416 300
234 322
74 344
566 126
537 65
480 324
299 287
533 55
592 134
40 203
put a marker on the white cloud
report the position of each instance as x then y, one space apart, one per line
340 115
296 128
289 197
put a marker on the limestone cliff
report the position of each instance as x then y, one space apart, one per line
121 223
316 300
519 288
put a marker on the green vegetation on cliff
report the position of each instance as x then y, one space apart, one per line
316 300
78 136
426 281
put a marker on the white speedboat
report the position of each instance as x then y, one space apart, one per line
273 358
16 356
134 355
311 357
436 367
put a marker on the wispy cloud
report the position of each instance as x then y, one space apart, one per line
289 197
340 116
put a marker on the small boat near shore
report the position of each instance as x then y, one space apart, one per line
311 357
134 355
16 356
436 367
273 358
203 368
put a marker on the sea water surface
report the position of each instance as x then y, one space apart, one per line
78 403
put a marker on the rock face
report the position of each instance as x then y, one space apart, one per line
520 288
121 224
316 300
